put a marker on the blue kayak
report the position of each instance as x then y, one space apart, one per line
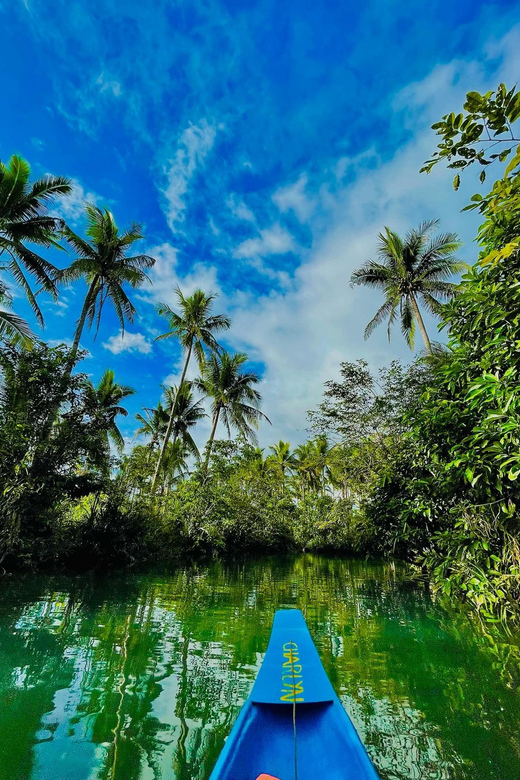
293 726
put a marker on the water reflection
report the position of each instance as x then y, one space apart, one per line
140 677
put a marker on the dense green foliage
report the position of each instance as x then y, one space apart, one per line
452 491
418 461
41 466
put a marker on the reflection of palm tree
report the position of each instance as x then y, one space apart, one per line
410 271
181 763
121 695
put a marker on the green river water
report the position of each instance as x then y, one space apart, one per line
141 676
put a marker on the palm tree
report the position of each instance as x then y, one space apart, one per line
186 414
257 461
102 260
24 219
175 462
321 459
153 424
282 459
105 400
234 398
12 327
310 465
195 327
410 271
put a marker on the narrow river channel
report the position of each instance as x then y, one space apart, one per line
140 677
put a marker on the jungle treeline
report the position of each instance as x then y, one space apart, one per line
418 461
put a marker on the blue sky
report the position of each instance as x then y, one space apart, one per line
263 146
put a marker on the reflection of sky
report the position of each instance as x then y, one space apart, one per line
412 750
63 748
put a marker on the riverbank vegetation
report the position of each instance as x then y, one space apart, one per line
420 461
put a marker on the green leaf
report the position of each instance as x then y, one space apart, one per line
456 182
473 101
514 162
482 176
513 111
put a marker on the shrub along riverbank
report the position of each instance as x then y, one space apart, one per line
420 462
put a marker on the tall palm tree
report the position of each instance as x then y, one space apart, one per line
175 463
257 461
195 328
103 261
408 272
153 424
234 399
321 459
105 401
24 219
282 460
310 465
186 414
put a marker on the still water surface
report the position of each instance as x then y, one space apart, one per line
141 676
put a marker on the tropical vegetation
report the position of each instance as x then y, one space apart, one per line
418 461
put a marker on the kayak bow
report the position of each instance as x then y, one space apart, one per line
293 726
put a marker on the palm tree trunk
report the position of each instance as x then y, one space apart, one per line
90 296
210 440
169 428
83 316
420 323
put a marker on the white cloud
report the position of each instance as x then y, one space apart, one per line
165 276
71 207
128 342
62 305
295 198
194 145
302 334
272 241
67 342
108 85
239 209
59 342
